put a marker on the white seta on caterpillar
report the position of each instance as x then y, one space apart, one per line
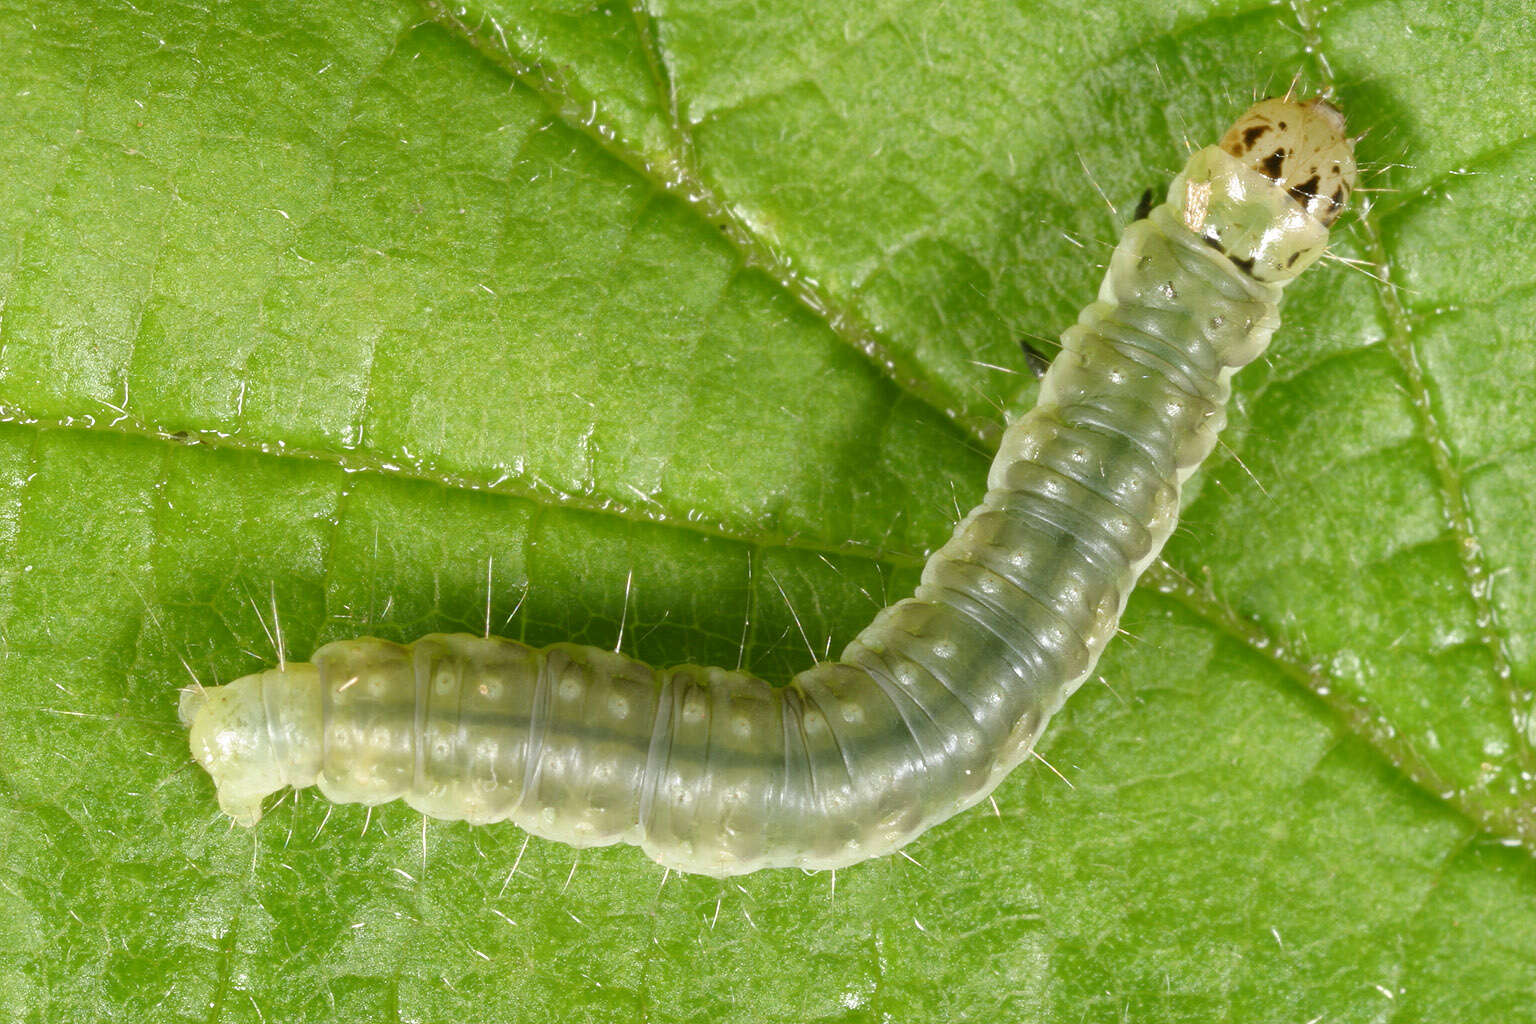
720 773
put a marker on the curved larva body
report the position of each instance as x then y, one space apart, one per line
941 695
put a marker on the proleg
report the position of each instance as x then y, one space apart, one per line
931 705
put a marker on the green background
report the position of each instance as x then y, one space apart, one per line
398 318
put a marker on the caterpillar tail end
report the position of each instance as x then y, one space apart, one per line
227 733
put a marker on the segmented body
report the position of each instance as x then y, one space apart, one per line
932 704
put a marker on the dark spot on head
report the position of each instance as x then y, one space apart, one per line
1272 165
1143 206
1337 199
1305 192
1243 263
1253 135
1214 243
1291 262
1282 126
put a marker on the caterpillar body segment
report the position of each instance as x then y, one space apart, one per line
931 705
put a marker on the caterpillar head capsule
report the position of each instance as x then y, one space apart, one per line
1267 193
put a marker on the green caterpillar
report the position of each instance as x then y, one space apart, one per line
944 693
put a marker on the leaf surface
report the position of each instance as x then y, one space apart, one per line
693 325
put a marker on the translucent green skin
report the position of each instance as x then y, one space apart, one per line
930 706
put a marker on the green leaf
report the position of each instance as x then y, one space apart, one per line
693 326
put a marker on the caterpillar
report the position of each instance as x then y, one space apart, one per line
720 773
